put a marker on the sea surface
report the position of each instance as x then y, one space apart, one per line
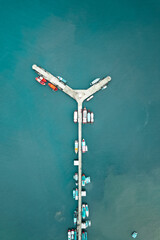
80 40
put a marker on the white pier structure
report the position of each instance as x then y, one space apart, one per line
79 96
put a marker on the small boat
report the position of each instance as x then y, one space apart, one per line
75 234
87 211
41 80
134 234
76 197
88 116
52 86
75 217
75 116
88 99
92 117
87 180
83 146
95 81
75 176
72 234
104 87
84 115
76 146
88 223
86 148
83 211
69 234
62 79
83 180
85 235
74 193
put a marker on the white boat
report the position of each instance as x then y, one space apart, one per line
75 116
41 80
83 146
86 224
75 177
84 115
104 87
88 116
92 117
86 148
69 234
87 211
74 193
83 226
88 99
87 180
72 234
95 81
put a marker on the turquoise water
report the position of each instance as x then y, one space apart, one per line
80 41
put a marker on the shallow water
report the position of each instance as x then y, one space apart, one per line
80 41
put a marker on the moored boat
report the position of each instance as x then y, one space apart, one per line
84 119
75 234
75 217
92 117
62 79
83 146
88 99
104 87
83 211
75 116
83 235
76 146
87 211
87 180
69 234
41 80
83 180
76 197
95 81
88 116
75 176
74 193
72 234
52 86
86 148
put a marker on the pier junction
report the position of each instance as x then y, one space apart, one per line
80 96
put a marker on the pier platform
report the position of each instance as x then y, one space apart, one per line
79 96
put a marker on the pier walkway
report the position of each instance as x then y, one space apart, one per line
79 96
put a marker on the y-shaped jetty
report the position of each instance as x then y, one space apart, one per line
79 96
